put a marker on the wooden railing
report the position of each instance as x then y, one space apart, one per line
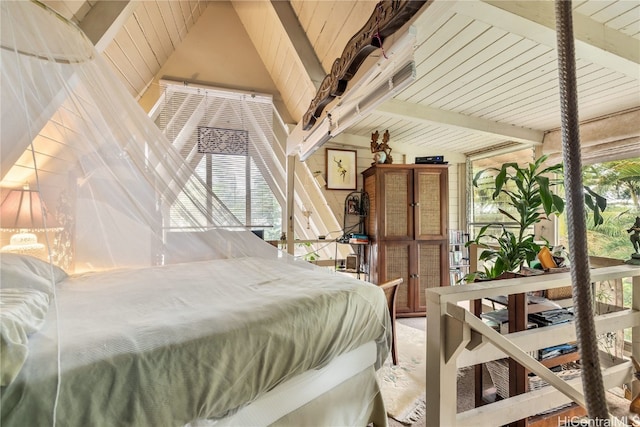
456 338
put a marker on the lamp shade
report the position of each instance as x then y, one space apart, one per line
23 209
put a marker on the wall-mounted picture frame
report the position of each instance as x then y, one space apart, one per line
342 169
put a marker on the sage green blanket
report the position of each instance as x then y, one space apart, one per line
166 345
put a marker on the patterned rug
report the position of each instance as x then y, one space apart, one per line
403 385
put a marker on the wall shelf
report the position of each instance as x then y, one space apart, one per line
356 209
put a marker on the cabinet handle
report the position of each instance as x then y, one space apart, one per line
414 276
414 204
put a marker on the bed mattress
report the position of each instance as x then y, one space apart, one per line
168 345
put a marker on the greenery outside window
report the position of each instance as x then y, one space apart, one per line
484 209
619 182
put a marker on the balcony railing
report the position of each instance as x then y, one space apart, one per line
456 338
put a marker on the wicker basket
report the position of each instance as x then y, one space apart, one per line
499 372
559 293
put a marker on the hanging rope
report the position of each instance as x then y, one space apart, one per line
576 222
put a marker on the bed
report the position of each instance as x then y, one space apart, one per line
163 315
235 341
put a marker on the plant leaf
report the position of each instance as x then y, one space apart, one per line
500 181
545 194
508 215
478 176
558 202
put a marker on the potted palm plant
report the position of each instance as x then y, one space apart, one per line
530 192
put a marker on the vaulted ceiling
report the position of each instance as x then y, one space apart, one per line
486 71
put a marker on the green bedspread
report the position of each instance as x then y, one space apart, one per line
166 345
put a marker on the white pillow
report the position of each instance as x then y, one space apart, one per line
22 312
27 272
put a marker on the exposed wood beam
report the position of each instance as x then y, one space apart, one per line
351 140
424 114
299 41
104 20
610 138
387 18
623 126
535 20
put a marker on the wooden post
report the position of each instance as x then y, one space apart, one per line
440 372
291 171
517 307
477 369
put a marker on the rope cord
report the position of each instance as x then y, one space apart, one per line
576 223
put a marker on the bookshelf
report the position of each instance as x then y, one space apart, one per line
356 209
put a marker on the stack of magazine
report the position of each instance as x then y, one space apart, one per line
358 239
551 317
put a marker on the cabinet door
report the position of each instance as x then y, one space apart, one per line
394 262
370 187
396 200
431 207
432 268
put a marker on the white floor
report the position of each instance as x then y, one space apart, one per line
414 322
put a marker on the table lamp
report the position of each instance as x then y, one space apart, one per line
24 213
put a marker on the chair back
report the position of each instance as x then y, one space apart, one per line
391 291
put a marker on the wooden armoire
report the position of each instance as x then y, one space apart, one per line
407 228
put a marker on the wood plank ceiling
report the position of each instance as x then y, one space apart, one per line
486 70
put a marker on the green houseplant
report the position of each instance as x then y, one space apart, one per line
530 191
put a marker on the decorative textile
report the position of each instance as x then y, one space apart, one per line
222 141
403 385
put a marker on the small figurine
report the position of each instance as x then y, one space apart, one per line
635 240
635 237
381 151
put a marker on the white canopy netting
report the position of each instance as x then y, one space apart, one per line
108 177
90 183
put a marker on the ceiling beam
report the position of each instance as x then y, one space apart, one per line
299 41
535 20
424 114
105 19
617 127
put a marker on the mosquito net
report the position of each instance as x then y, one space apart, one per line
91 184
71 132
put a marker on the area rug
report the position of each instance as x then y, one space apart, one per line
403 386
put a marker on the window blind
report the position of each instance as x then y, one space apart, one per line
226 138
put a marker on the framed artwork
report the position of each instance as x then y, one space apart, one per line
341 169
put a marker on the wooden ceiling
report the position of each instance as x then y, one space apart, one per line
486 70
